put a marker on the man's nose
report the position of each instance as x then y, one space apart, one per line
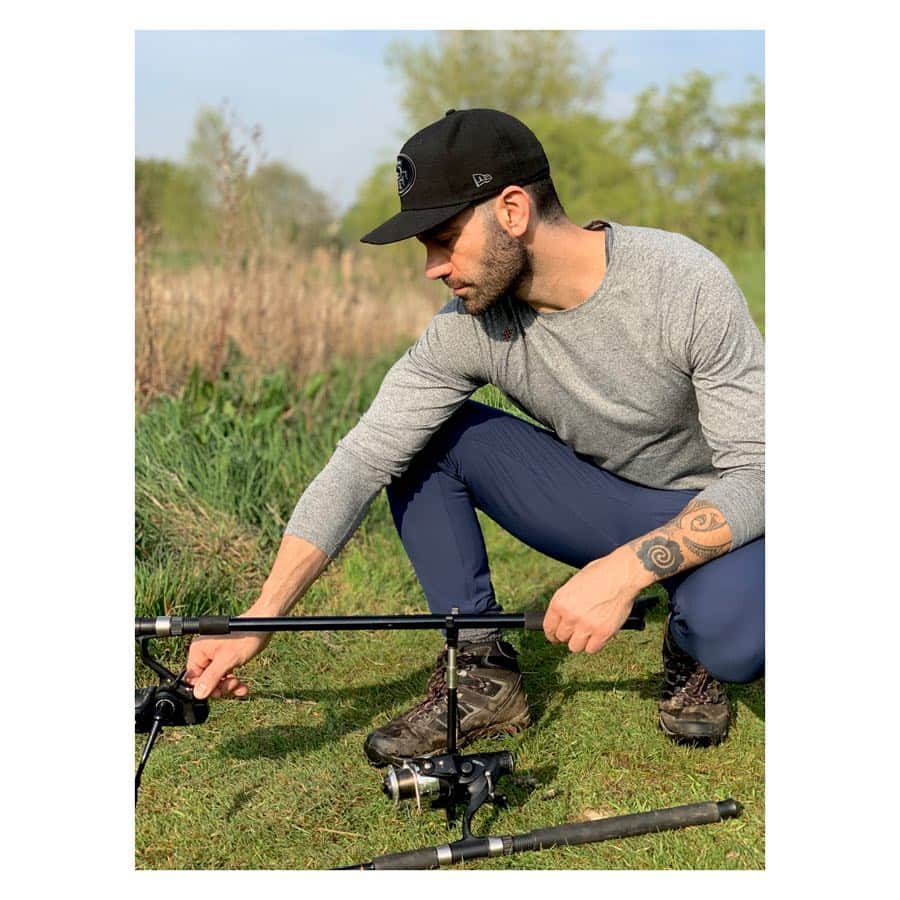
437 263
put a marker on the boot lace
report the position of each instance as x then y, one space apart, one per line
436 690
694 686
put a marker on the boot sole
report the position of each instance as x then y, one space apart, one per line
700 733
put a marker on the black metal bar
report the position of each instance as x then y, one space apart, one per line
174 626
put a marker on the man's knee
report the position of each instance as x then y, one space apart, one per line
737 656
719 614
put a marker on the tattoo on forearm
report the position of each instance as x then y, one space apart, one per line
670 550
661 556
706 552
700 517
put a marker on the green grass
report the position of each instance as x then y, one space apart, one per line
279 781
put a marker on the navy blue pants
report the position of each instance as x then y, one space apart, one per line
562 505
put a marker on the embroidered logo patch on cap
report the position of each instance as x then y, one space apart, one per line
406 174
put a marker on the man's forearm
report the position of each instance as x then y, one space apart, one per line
696 535
297 565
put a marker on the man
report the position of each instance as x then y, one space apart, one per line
635 351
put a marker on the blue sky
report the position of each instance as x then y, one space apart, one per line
328 106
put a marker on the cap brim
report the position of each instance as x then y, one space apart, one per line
411 222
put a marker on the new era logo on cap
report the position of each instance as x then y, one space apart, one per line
481 179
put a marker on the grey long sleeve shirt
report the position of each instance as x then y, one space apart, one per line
656 377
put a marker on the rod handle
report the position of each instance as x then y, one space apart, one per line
424 858
174 626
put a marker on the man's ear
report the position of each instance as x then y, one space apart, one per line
513 210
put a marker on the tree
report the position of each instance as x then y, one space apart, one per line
290 208
170 204
519 72
699 164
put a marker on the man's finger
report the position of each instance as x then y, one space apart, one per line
231 686
578 641
551 620
211 677
596 642
196 663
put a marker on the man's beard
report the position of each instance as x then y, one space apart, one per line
505 268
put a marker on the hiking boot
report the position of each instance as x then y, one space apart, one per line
490 701
694 706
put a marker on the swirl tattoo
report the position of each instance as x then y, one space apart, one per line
700 516
661 556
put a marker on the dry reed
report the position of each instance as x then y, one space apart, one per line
277 308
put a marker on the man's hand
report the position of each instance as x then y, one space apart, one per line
212 660
595 602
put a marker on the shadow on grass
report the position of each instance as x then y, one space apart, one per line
241 799
346 709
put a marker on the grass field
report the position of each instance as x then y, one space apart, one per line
279 781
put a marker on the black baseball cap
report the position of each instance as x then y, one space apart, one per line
464 158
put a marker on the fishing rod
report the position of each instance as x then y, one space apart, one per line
449 779
567 835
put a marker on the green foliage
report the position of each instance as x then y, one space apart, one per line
699 165
169 201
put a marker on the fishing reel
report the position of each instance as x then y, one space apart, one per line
171 702
453 780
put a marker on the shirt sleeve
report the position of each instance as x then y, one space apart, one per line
419 393
726 358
